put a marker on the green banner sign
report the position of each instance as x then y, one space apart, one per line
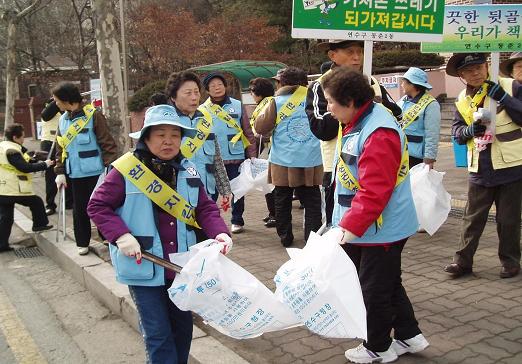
377 20
480 28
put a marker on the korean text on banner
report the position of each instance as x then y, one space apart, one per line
372 20
480 28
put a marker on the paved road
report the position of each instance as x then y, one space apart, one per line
48 317
477 319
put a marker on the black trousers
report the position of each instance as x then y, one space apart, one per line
7 203
387 304
270 204
414 161
507 199
81 191
329 192
50 184
311 197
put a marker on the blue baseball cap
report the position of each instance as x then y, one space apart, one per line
417 77
160 115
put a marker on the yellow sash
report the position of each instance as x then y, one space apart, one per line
155 189
320 79
227 119
74 129
466 108
291 104
203 129
349 181
413 112
259 108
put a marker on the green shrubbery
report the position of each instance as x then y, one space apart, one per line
405 58
140 99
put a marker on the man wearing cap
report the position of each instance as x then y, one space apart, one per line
420 117
496 171
324 126
234 134
512 67
277 78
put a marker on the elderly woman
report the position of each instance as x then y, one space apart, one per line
420 117
374 208
262 91
16 185
200 145
85 147
512 67
152 199
234 135
295 157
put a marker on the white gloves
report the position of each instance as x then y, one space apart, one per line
226 241
129 246
60 181
347 237
49 162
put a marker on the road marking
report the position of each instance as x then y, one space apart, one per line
20 341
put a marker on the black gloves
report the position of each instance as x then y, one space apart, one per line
473 130
495 91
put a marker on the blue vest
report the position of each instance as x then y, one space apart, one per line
225 133
84 156
399 216
293 144
203 158
138 214
415 131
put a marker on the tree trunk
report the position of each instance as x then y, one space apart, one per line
10 74
110 72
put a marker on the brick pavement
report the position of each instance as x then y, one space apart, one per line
477 319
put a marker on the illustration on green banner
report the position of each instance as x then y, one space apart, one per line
480 28
378 20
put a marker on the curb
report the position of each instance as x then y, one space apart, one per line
97 276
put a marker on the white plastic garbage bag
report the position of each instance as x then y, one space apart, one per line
321 286
227 297
253 175
432 201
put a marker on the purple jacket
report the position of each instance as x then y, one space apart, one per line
110 195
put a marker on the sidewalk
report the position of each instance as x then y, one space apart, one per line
477 319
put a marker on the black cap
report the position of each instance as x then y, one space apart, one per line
460 60
212 75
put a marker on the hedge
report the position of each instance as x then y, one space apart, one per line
406 58
140 99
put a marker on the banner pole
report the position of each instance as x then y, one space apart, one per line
368 58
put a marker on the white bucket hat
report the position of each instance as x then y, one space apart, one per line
160 115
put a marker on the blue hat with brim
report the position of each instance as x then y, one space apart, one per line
160 115
417 77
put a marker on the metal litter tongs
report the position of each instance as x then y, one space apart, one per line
61 215
161 262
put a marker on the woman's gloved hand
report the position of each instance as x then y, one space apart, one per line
129 246
60 181
226 241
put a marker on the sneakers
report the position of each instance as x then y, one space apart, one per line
83 250
362 355
236 229
270 223
413 345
